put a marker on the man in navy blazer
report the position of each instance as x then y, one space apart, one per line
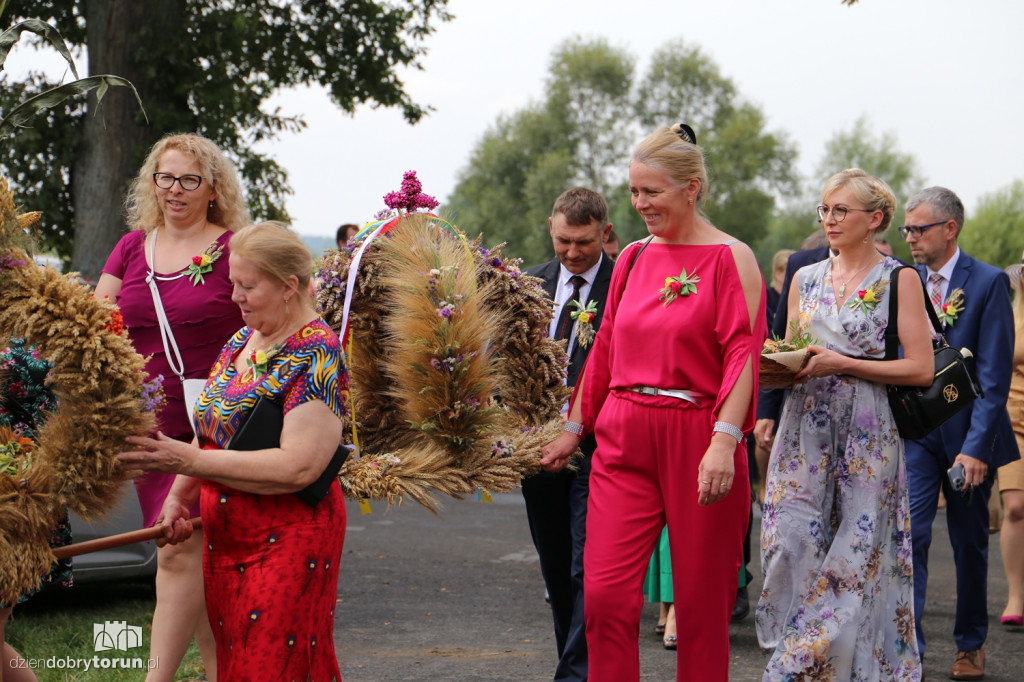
556 503
769 402
980 437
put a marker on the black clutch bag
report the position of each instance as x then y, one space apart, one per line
262 429
920 410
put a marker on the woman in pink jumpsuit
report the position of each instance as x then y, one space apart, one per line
668 390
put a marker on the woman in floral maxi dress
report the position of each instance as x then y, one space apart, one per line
838 590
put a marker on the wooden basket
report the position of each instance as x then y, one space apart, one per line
777 370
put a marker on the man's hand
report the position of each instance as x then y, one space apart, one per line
975 471
764 433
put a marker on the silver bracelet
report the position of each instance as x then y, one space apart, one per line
574 428
731 429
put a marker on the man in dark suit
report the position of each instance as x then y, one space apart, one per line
769 403
556 503
980 437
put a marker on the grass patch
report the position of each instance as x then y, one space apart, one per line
57 626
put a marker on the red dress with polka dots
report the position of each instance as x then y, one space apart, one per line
271 561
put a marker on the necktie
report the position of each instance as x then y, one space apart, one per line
935 288
564 326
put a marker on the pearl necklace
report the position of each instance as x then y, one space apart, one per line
842 287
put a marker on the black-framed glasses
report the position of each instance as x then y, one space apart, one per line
916 230
187 182
838 212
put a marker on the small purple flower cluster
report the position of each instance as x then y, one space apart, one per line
501 449
446 310
410 197
9 263
449 363
152 394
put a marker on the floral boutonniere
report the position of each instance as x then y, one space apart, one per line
584 317
683 285
867 299
953 306
203 263
259 359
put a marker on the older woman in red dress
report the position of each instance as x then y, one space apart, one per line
270 564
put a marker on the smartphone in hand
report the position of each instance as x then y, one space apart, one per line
957 478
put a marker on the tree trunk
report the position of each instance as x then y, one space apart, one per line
116 136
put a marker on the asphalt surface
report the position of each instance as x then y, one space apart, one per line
459 596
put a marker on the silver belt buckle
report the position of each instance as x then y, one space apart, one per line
646 390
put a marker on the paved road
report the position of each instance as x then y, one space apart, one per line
459 597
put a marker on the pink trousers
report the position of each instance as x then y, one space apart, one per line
644 475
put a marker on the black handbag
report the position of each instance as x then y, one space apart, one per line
262 429
920 410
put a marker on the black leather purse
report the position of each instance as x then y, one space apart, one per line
262 429
920 410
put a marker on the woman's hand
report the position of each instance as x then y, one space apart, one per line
163 454
555 455
174 519
716 470
823 363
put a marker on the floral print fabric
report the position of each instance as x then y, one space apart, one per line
838 594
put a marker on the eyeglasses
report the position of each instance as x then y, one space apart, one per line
838 212
187 182
917 231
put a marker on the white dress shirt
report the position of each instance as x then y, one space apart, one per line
947 273
563 292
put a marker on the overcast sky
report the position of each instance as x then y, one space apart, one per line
944 75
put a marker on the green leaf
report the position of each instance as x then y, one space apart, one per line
45 100
9 37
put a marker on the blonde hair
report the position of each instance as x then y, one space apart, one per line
1016 275
867 189
682 161
277 252
779 261
228 210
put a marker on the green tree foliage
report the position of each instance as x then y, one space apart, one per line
582 132
206 66
995 234
858 147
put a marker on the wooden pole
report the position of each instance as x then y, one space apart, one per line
118 540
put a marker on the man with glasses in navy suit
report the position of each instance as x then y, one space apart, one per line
973 302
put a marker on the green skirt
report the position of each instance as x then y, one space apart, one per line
658 581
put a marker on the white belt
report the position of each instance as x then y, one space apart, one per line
680 393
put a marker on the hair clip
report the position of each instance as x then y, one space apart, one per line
686 134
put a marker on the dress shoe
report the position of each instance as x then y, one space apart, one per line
671 642
969 665
741 609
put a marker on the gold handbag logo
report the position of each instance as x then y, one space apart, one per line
950 393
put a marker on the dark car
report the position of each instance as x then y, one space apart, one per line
136 561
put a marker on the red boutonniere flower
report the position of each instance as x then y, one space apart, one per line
683 285
867 299
259 359
584 317
953 306
203 263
